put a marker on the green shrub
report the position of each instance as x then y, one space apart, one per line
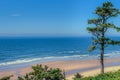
77 76
43 73
105 76
6 77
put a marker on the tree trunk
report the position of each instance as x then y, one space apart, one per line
102 53
102 61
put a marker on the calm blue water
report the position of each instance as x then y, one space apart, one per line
25 50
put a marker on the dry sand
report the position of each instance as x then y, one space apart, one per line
84 67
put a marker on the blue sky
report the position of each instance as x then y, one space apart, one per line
49 17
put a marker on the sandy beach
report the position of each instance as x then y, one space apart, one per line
84 67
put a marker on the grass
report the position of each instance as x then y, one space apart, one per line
105 76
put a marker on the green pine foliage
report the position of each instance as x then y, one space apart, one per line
43 73
105 76
99 27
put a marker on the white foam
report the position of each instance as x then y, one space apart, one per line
115 53
37 59
74 51
19 61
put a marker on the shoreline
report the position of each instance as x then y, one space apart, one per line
11 66
80 66
29 61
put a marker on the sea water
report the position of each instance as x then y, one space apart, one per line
18 50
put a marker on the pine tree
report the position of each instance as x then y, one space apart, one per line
100 26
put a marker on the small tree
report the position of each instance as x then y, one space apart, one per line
101 24
43 73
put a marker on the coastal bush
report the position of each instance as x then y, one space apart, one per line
77 76
6 77
43 73
105 76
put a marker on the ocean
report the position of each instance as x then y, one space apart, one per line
19 50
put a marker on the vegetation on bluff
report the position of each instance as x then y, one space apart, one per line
55 74
105 76
43 73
